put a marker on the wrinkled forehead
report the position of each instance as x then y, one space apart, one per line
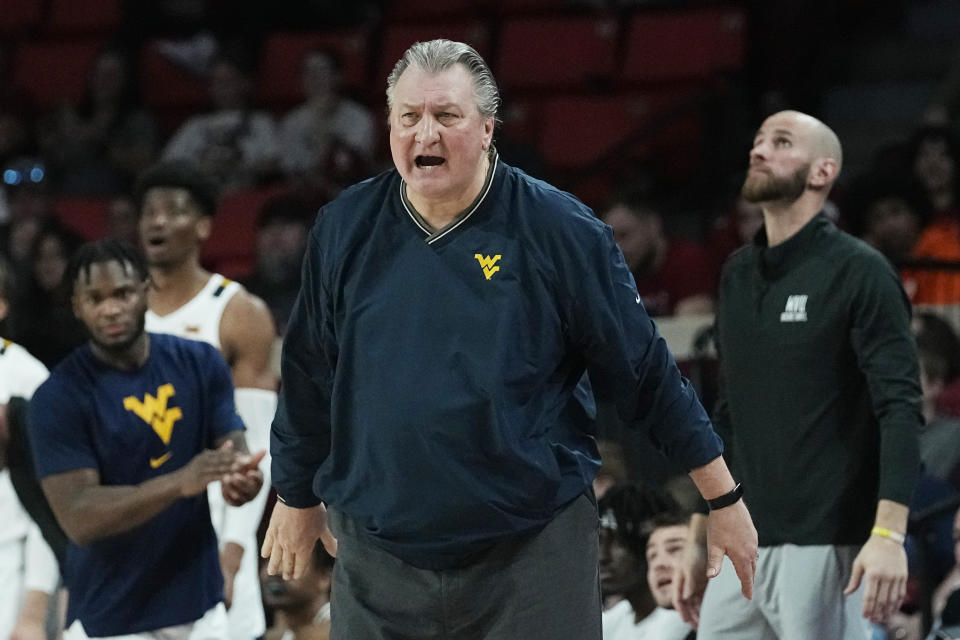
453 86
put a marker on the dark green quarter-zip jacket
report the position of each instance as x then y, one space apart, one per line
820 399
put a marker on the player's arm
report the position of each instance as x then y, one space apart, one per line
629 361
301 434
89 511
247 336
886 353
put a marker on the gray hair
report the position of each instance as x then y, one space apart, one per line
436 56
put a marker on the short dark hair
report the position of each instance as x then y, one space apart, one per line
107 250
180 175
629 508
669 518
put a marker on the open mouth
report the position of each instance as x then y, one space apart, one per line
429 161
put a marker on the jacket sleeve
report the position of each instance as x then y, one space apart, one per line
300 437
629 361
887 355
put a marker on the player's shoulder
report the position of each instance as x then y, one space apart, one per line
545 208
359 202
181 350
850 252
245 316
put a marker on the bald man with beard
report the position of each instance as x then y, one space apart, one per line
819 409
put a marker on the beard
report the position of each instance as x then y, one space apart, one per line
763 187
119 348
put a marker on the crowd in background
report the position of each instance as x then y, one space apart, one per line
906 204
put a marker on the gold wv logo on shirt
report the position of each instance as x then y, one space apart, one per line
154 411
488 264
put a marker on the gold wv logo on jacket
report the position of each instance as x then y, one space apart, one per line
488 264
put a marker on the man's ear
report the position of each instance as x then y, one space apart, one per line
204 228
823 172
4 308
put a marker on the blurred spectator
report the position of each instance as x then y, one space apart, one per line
28 208
122 219
282 229
310 133
102 143
673 276
42 319
936 167
946 598
301 606
235 143
627 600
938 350
664 549
891 223
734 228
28 568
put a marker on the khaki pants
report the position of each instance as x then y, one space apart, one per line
797 595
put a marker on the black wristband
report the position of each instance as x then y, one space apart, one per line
726 499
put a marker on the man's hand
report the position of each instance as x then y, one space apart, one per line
690 577
291 536
883 564
730 532
245 479
206 467
230 557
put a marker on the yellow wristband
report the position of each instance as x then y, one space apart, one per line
883 532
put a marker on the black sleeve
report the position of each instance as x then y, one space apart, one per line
24 479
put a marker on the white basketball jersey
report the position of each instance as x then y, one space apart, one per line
199 318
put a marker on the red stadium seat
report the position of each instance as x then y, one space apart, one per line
684 44
397 38
88 16
577 131
279 80
164 84
85 215
231 248
54 73
19 15
552 53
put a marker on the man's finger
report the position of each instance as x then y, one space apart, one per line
276 560
869 597
714 561
883 599
745 570
267 547
855 576
329 542
289 562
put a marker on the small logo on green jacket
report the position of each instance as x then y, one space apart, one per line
796 309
